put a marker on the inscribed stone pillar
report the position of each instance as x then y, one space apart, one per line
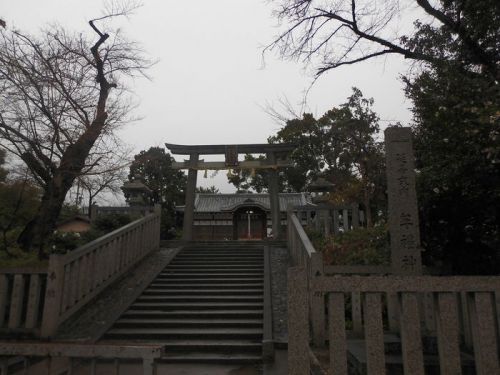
274 197
187 230
403 212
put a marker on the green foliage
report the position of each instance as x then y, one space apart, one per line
207 190
62 242
246 180
68 211
3 171
457 142
110 222
363 246
19 202
342 147
168 185
18 258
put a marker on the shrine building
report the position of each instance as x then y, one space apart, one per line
240 216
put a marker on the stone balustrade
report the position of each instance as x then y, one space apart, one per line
304 255
462 305
21 292
77 277
331 220
33 301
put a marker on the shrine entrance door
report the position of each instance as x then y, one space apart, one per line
249 223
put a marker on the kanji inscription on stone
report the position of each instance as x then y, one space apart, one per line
403 211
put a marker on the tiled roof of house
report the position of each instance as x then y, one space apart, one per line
230 202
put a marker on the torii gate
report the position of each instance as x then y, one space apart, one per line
276 157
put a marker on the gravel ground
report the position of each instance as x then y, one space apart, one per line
279 266
100 313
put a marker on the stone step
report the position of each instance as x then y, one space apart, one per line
201 285
206 306
175 270
194 314
217 255
188 323
209 358
221 254
250 266
221 267
212 260
199 298
220 275
218 260
216 292
212 346
223 249
184 333
225 245
213 280
172 306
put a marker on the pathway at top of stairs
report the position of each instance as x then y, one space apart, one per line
206 306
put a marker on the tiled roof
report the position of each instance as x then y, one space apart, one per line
230 202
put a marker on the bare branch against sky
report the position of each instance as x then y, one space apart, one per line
209 85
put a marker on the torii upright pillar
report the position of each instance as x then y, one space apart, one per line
274 197
273 162
187 229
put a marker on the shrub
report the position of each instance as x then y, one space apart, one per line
62 242
110 222
363 246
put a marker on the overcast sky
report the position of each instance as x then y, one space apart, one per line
210 83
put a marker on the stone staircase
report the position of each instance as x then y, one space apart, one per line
206 306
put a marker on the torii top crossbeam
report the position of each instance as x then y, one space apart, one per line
257 148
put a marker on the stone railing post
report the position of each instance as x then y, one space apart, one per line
298 322
53 296
317 302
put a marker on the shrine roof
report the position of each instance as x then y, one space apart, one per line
257 148
231 202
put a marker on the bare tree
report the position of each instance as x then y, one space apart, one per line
107 177
347 32
60 105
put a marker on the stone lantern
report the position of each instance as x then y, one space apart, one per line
136 192
320 189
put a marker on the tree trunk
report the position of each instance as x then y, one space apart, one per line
72 163
37 231
91 202
368 210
